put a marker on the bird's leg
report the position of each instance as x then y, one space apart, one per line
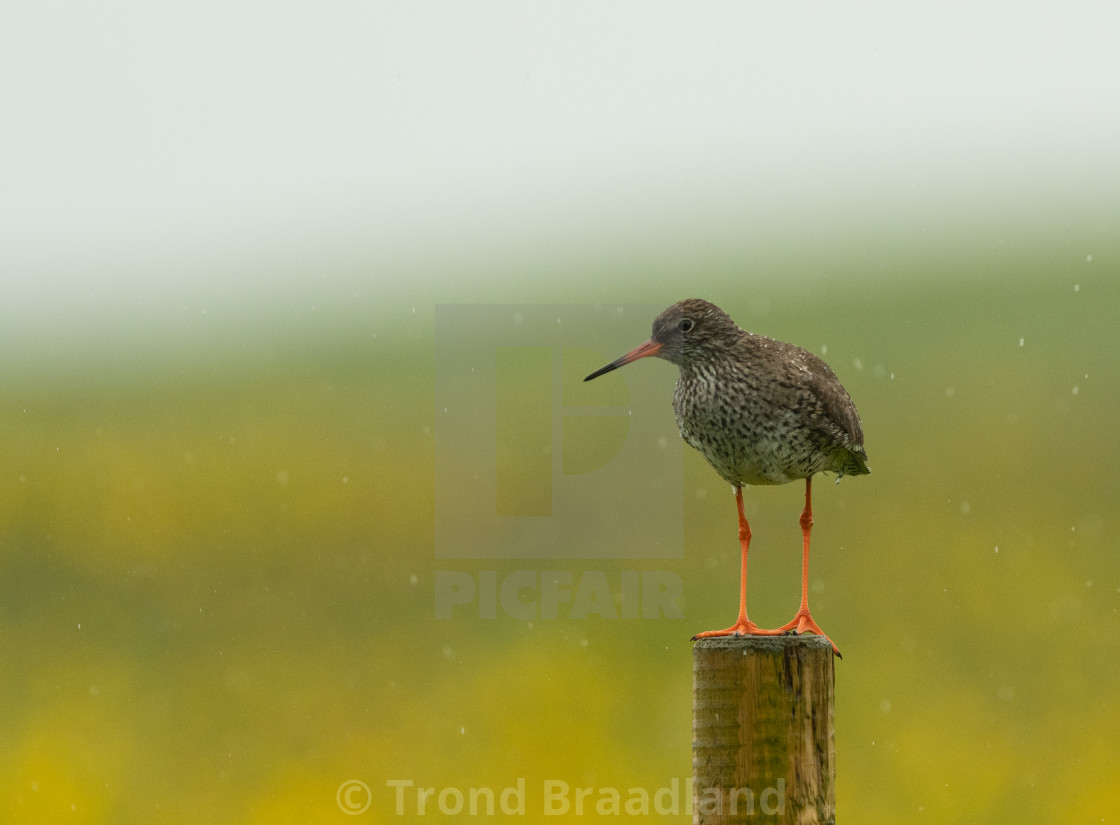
803 621
743 626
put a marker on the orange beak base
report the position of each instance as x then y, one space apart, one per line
647 349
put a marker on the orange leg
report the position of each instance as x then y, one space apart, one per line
803 621
744 626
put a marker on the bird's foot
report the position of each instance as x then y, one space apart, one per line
743 627
803 623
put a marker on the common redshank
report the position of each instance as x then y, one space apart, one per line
761 412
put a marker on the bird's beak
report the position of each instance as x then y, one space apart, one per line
647 349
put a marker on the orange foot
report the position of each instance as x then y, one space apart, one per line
803 623
743 627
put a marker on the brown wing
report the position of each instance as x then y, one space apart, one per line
838 406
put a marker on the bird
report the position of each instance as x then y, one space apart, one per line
760 411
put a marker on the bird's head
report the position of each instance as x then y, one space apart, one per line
688 332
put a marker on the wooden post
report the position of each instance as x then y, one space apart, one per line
763 740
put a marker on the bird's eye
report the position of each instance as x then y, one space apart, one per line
685 325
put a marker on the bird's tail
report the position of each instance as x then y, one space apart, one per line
851 462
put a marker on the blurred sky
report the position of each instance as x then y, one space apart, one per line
194 149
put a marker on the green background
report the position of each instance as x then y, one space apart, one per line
225 231
217 557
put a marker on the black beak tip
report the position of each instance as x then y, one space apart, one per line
600 371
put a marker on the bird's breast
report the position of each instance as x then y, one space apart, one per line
747 435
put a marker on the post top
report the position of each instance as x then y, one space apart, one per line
760 644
